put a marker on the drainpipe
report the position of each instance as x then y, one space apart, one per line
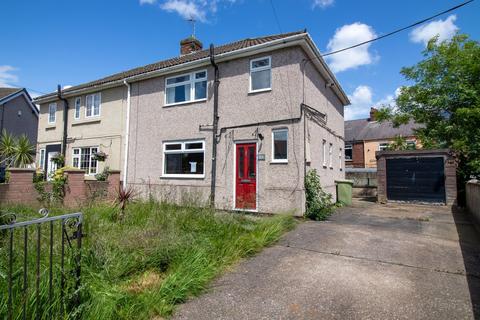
65 120
127 133
215 126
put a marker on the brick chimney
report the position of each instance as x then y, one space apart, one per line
189 45
373 114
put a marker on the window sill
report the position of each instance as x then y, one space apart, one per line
251 92
279 162
182 176
86 121
50 126
183 103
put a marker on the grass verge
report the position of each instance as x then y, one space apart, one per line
157 257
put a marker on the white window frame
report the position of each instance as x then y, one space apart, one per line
79 157
52 106
330 155
324 149
182 150
380 146
192 83
76 112
41 160
93 106
340 155
349 147
273 146
269 67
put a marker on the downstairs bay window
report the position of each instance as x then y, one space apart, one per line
82 158
184 159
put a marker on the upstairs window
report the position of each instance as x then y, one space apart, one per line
184 159
280 145
260 74
324 152
330 154
83 159
186 88
78 102
52 112
93 105
348 152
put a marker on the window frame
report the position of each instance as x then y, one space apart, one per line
340 161
385 144
324 152
41 160
330 155
76 112
93 106
54 105
79 157
182 150
269 67
273 146
192 83
348 147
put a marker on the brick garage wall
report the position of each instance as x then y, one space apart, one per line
21 189
450 167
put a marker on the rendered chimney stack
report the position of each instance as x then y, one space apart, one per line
189 45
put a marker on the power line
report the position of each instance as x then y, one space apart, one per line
398 30
29 89
276 17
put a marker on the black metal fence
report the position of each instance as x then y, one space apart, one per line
42 264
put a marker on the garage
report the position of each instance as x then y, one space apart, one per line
416 176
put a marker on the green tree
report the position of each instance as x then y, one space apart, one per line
445 97
16 152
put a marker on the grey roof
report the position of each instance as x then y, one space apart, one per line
362 129
245 43
4 92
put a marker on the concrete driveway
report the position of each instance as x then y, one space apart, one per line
368 261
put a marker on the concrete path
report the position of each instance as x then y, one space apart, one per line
368 261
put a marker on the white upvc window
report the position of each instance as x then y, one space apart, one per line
261 74
93 105
83 158
340 162
184 159
348 152
41 160
383 146
324 152
330 155
280 145
186 88
52 112
78 103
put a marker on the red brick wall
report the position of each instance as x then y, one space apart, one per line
21 190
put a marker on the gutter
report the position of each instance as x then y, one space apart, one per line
127 133
65 120
215 126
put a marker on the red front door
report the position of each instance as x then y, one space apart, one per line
246 176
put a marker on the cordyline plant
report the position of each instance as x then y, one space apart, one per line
16 152
125 195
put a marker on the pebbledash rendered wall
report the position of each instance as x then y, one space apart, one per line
78 191
280 186
450 168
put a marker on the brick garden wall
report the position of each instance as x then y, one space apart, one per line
21 189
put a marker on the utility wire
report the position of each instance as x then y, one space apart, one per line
276 17
398 30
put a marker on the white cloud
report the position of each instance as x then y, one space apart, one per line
322 3
148 1
347 36
445 29
7 76
362 100
186 9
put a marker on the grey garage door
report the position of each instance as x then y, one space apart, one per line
416 179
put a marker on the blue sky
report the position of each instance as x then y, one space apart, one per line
48 42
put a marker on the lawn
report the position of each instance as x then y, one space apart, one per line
155 258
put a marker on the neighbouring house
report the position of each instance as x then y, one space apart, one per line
238 125
18 116
364 137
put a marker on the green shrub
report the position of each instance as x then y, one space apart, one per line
319 203
103 176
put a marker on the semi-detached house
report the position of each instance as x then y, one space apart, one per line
239 124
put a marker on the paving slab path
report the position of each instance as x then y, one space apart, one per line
368 261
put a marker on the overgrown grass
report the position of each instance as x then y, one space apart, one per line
156 257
